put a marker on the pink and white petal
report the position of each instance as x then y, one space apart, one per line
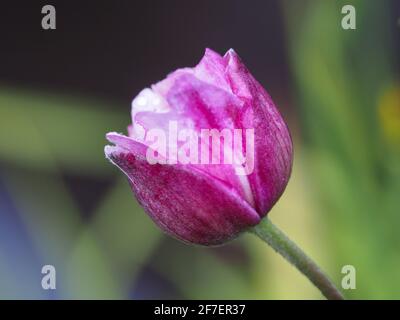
127 143
273 144
211 70
196 105
184 202
209 106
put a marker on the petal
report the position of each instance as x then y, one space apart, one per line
208 105
211 69
186 203
273 144
196 105
240 80
127 143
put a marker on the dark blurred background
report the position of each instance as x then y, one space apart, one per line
62 203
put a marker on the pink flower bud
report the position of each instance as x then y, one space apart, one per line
207 154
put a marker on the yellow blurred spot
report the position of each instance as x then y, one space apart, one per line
389 114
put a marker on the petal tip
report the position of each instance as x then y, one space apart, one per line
110 135
109 150
232 58
231 52
211 52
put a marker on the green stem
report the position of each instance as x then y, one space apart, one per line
292 253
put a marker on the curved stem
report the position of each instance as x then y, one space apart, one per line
268 232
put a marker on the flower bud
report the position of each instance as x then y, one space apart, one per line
207 154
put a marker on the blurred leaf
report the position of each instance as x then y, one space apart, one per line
127 235
340 76
53 223
35 126
298 215
89 274
200 274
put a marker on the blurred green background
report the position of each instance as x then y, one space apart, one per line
62 203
